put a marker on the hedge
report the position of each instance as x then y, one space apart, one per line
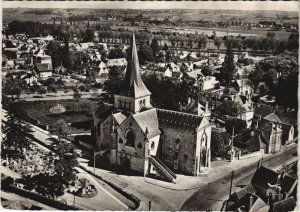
38 198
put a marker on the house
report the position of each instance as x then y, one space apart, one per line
116 62
187 66
268 191
244 87
207 83
30 79
102 68
288 133
43 59
271 126
132 134
43 70
60 69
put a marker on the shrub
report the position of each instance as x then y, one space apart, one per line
58 109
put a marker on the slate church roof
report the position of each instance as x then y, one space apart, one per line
178 120
148 121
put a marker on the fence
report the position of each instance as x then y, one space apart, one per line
38 198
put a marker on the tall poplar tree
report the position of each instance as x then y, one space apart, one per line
228 68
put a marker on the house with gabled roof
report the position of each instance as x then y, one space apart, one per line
132 134
244 87
268 191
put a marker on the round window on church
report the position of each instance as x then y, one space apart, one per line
139 146
120 141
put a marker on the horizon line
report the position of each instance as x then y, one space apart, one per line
280 6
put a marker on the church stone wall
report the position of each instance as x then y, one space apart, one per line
178 150
136 152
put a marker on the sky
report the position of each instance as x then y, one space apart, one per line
237 5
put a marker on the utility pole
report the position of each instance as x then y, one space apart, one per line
232 137
94 161
231 184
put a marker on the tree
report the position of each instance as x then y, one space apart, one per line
59 128
238 124
65 165
89 35
206 71
54 50
17 133
218 42
293 41
218 146
166 48
76 94
116 53
154 46
114 83
42 91
13 89
145 54
228 68
280 73
231 108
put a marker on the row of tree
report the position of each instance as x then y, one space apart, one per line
104 34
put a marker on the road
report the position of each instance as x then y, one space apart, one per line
104 200
213 195
58 95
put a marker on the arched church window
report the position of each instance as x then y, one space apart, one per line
204 140
120 141
139 145
130 139
152 145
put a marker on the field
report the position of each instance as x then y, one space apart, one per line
45 15
79 122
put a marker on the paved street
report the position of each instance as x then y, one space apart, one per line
213 195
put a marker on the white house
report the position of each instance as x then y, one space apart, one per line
116 62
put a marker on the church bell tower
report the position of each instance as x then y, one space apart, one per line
135 95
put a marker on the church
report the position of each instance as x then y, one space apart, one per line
134 135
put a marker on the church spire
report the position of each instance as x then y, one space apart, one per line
133 81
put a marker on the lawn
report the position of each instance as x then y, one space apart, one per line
79 122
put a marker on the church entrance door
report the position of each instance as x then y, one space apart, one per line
125 162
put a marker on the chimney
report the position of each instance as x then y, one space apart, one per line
206 107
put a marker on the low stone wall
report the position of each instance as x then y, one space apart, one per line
38 198
250 155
